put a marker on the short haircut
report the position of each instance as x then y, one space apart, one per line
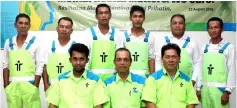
177 15
137 8
65 18
215 19
102 5
22 15
78 47
170 46
123 49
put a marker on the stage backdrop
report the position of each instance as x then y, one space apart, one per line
45 14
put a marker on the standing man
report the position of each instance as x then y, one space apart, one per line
78 88
124 88
190 62
141 43
22 66
56 55
169 87
218 69
103 41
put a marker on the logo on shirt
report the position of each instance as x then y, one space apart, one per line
210 69
103 57
18 65
87 84
181 84
135 57
135 90
60 67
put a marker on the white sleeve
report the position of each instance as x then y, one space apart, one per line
231 69
151 47
196 62
199 75
39 58
119 39
6 54
158 46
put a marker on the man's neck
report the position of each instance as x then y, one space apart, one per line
178 36
20 39
171 72
104 29
137 31
123 75
216 40
63 41
78 74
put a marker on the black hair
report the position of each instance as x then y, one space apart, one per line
137 8
65 18
78 47
170 46
22 15
177 15
102 5
215 19
123 49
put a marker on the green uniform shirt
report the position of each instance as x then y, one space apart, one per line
166 93
71 92
125 94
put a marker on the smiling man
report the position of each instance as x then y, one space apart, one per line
169 87
141 43
124 88
77 88
218 67
22 66
190 56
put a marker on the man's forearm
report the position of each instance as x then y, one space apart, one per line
150 105
37 80
191 106
52 106
45 76
151 64
5 77
98 106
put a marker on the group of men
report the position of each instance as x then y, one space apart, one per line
112 69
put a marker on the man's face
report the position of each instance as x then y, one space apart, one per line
64 28
214 29
22 25
78 61
122 62
137 19
103 15
177 26
170 59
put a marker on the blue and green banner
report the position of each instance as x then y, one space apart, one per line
45 14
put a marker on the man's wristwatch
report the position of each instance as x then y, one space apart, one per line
228 92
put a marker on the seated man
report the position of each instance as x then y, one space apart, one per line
78 88
169 87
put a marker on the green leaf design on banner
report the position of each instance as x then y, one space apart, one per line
34 3
224 6
196 26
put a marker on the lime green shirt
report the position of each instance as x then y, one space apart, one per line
166 93
125 94
84 92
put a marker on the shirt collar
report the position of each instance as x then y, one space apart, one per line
130 32
28 38
184 37
129 78
220 43
177 74
97 30
71 75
